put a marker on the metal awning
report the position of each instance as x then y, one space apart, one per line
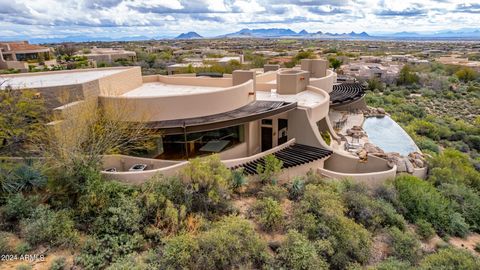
253 111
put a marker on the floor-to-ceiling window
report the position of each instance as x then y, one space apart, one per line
184 146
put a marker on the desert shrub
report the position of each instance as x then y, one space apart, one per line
423 201
466 201
456 168
275 192
404 246
371 213
238 179
427 144
320 215
424 229
132 261
296 189
231 243
180 252
18 206
206 182
24 267
268 213
298 253
16 178
22 248
391 264
99 251
5 247
58 264
269 171
45 226
450 259
123 215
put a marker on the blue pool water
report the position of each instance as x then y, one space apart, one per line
388 135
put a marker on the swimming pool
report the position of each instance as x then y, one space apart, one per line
388 135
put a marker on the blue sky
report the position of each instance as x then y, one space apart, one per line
156 18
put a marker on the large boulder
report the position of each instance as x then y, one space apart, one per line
373 149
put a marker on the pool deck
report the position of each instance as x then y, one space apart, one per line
352 120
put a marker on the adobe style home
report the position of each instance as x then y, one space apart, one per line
241 117
20 55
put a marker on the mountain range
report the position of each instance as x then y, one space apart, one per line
461 34
189 35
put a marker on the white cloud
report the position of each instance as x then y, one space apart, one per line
42 18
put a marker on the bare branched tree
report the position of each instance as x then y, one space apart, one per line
82 132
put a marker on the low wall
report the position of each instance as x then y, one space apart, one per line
325 83
372 173
160 108
138 178
122 163
356 105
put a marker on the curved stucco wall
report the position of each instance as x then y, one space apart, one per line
372 173
325 83
160 108
122 162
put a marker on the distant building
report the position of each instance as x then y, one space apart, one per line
108 55
202 63
459 61
20 55
365 71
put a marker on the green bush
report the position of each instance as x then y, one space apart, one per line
18 206
180 252
123 216
5 247
424 229
391 264
371 213
238 180
132 261
24 267
58 263
296 189
45 226
320 215
450 259
207 183
100 251
297 253
423 201
404 246
466 201
275 192
271 169
231 242
269 214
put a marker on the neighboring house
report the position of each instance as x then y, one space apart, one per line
242 118
108 55
202 63
364 71
459 61
20 55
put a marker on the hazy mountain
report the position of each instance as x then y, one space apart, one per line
189 35
262 33
303 32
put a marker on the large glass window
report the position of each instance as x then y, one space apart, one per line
196 144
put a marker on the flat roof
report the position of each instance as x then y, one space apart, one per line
305 98
160 89
54 78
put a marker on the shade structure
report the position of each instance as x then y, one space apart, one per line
253 111
291 156
346 93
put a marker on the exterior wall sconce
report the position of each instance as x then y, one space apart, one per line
251 93
302 78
